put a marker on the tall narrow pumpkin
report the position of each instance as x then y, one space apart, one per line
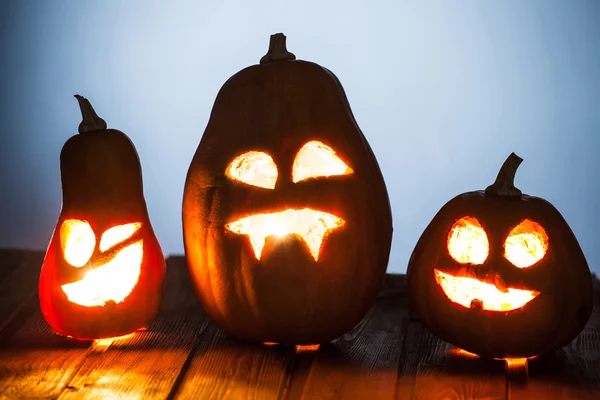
286 218
103 271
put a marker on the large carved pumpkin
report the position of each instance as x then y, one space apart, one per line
286 218
103 271
500 273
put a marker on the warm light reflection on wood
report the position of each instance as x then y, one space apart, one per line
316 159
464 291
106 342
463 353
310 225
301 348
513 365
526 244
253 168
468 242
516 362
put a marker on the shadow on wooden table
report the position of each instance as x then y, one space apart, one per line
386 356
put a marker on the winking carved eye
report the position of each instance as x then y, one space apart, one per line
110 281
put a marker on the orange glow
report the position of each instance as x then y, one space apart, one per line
316 159
300 348
309 224
516 362
112 281
463 290
526 244
253 168
117 234
304 348
464 353
105 342
511 363
468 242
78 241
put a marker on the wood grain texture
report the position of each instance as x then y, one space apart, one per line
147 364
34 361
184 356
363 363
431 369
224 368
19 272
37 363
570 373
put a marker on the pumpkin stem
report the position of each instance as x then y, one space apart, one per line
277 50
91 121
505 181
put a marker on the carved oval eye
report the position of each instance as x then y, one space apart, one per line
526 244
316 159
467 241
253 168
117 234
78 241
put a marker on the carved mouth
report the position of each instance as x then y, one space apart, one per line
310 225
472 293
112 281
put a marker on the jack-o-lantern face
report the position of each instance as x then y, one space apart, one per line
468 244
286 218
314 160
103 271
500 274
116 272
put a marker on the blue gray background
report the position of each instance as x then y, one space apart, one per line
443 90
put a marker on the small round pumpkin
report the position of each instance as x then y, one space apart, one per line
103 271
500 273
286 219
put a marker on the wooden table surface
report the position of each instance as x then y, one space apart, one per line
183 356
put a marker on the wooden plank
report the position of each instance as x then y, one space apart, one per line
34 361
571 373
224 368
363 363
147 364
19 273
432 369
37 363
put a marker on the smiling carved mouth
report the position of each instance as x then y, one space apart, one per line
112 281
310 225
467 291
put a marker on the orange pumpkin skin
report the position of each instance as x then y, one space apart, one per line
286 296
562 277
102 185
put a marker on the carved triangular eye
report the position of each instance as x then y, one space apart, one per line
467 241
117 234
316 159
526 244
253 168
77 240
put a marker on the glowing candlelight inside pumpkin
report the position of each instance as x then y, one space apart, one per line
316 159
526 244
467 241
464 291
309 224
111 281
